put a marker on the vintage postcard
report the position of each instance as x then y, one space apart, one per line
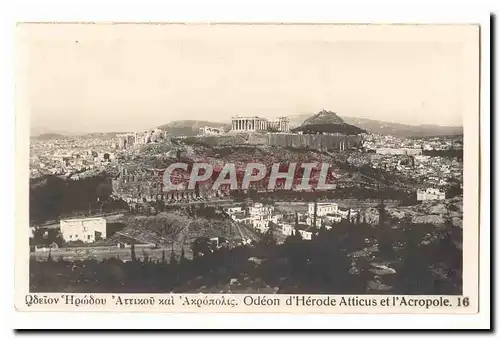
247 168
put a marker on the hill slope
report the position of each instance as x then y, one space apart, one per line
389 128
402 130
327 122
189 127
49 136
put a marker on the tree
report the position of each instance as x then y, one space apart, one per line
132 253
183 256
414 277
268 237
46 237
173 259
200 246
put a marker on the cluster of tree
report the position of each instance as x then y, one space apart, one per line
327 128
324 264
54 197
46 237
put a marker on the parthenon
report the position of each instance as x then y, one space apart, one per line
255 124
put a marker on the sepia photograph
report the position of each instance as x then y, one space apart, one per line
250 159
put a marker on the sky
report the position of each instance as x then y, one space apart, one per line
82 78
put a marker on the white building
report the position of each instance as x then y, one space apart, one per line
232 210
335 218
86 230
260 215
305 231
260 210
323 209
310 221
398 151
261 225
286 229
430 194
207 130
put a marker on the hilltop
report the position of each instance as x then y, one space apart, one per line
327 122
323 117
388 128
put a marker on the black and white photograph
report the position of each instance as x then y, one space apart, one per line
275 159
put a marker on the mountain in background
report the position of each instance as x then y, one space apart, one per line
190 127
107 135
402 130
50 136
54 136
327 122
389 128
323 117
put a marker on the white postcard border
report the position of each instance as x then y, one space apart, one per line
484 242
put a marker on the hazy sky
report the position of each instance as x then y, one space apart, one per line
97 78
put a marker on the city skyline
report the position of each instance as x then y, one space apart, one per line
118 78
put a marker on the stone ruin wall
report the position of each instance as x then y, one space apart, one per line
321 142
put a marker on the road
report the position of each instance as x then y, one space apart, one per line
243 232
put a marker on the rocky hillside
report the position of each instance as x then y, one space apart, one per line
327 122
323 117
189 127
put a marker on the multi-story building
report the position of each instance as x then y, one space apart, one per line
129 140
259 210
323 209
